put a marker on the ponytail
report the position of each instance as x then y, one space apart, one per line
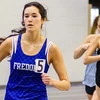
1 40
18 31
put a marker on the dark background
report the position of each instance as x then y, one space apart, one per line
95 3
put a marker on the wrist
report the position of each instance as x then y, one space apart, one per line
52 82
83 48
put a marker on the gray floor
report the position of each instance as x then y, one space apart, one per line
75 93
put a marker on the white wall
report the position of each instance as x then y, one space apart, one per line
67 27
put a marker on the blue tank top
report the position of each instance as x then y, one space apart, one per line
90 74
25 82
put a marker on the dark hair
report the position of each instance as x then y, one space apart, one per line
22 30
3 39
42 12
94 26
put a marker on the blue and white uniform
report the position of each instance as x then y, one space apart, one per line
90 74
25 81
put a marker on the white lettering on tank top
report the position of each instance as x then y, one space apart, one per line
38 67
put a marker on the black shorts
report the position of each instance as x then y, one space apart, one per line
89 90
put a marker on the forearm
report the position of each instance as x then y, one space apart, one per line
91 59
61 85
79 52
